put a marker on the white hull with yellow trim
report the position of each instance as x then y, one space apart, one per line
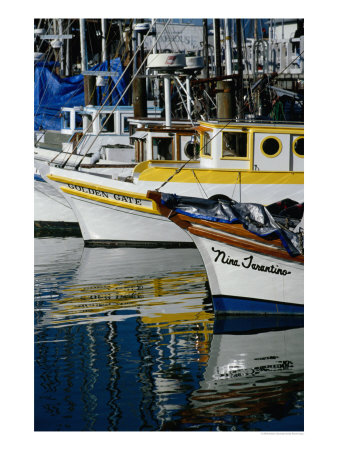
110 210
265 166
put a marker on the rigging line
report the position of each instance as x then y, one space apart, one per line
248 89
121 41
298 56
176 79
52 198
69 99
110 94
82 140
132 80
220 130
172 38
233 192
200 184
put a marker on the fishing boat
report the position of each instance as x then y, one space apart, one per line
90 151
248 161
254 258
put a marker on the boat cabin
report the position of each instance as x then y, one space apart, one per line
91 126
252 145
154 141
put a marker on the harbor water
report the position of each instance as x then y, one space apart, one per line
126 340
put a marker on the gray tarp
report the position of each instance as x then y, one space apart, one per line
255 217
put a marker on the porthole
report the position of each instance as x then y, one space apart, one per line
192 150
298 147
271 147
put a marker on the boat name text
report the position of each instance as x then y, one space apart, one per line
88 190
248 263
118 197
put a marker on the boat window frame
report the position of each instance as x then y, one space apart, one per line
173 147
240 158
280 146
293 146
78 114
123 124
203 147
66 120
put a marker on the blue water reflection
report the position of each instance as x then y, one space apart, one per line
126 340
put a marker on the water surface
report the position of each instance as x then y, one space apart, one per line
126 340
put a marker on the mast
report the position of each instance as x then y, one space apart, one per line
103 40
217 47
227 43
84 58
89 81
240 67
206 63
61 53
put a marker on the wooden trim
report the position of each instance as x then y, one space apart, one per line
236 231
230 240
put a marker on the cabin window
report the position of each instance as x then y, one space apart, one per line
271 147
107 122
78 121
206 144
162 148
234 145
103 125
66 119
298 147
125 125
192 149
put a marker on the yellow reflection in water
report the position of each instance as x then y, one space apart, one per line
161 302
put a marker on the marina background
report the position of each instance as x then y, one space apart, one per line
20 266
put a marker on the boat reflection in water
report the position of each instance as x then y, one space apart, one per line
254 376
125 340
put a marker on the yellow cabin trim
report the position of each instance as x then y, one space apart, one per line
219 176
293 147
248 127
275 138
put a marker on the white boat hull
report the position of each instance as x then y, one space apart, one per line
243 281
103 223
111 210
50 206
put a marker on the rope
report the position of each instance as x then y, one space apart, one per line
110 94
201 186
138 70
220 130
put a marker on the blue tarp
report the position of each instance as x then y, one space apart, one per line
52 92
253 216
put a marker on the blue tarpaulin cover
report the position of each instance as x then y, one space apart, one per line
52 92
254 217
